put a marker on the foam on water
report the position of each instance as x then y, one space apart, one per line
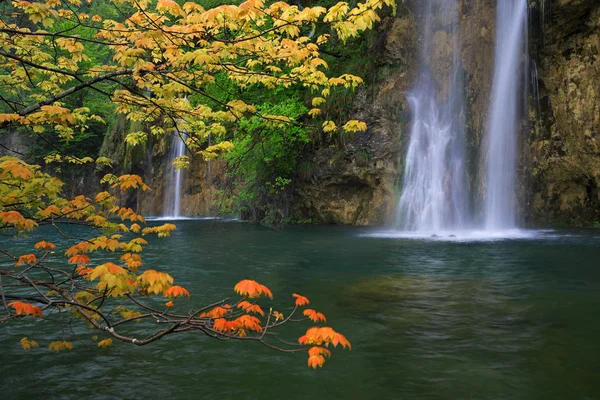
463 235
170 218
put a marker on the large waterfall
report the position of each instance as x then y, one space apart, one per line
434 194
500 205
173 178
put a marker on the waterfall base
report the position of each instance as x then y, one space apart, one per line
174 218
461 235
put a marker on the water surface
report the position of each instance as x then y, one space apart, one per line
428 319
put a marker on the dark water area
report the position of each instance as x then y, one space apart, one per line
428 319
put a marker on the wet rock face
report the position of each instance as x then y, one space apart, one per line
400 42
565 146
477 31
202 184
569 16
441 60
358 180
353 181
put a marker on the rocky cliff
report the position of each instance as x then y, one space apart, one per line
203 182
354 180
565 118
203 185
358 180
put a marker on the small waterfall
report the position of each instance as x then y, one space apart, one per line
173 178
434 193
500 205
535 87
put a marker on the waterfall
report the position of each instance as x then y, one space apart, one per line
535 88
500 204
173 178
434 194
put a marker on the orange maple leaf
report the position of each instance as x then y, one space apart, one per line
315 351
250 308
17 168
55 110
17 220
81 247
79 259
252 289
248 322
316 356
277 315
26 259
301 300
324 336
176 291
9 117
83 270
314 316
133 261
131 182
51 209
128 213
216 312
223 325
23 308
106 268
44 245
316 361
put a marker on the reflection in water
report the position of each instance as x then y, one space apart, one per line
427 319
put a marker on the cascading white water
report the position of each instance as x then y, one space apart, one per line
434 194
173 178
511 31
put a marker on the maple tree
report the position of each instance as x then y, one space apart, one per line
109 296
160 52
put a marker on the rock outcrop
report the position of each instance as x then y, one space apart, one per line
203 182
354 180
358 180
565 145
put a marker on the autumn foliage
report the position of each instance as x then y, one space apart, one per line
161 51
88 286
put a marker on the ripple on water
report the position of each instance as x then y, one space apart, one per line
428 319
